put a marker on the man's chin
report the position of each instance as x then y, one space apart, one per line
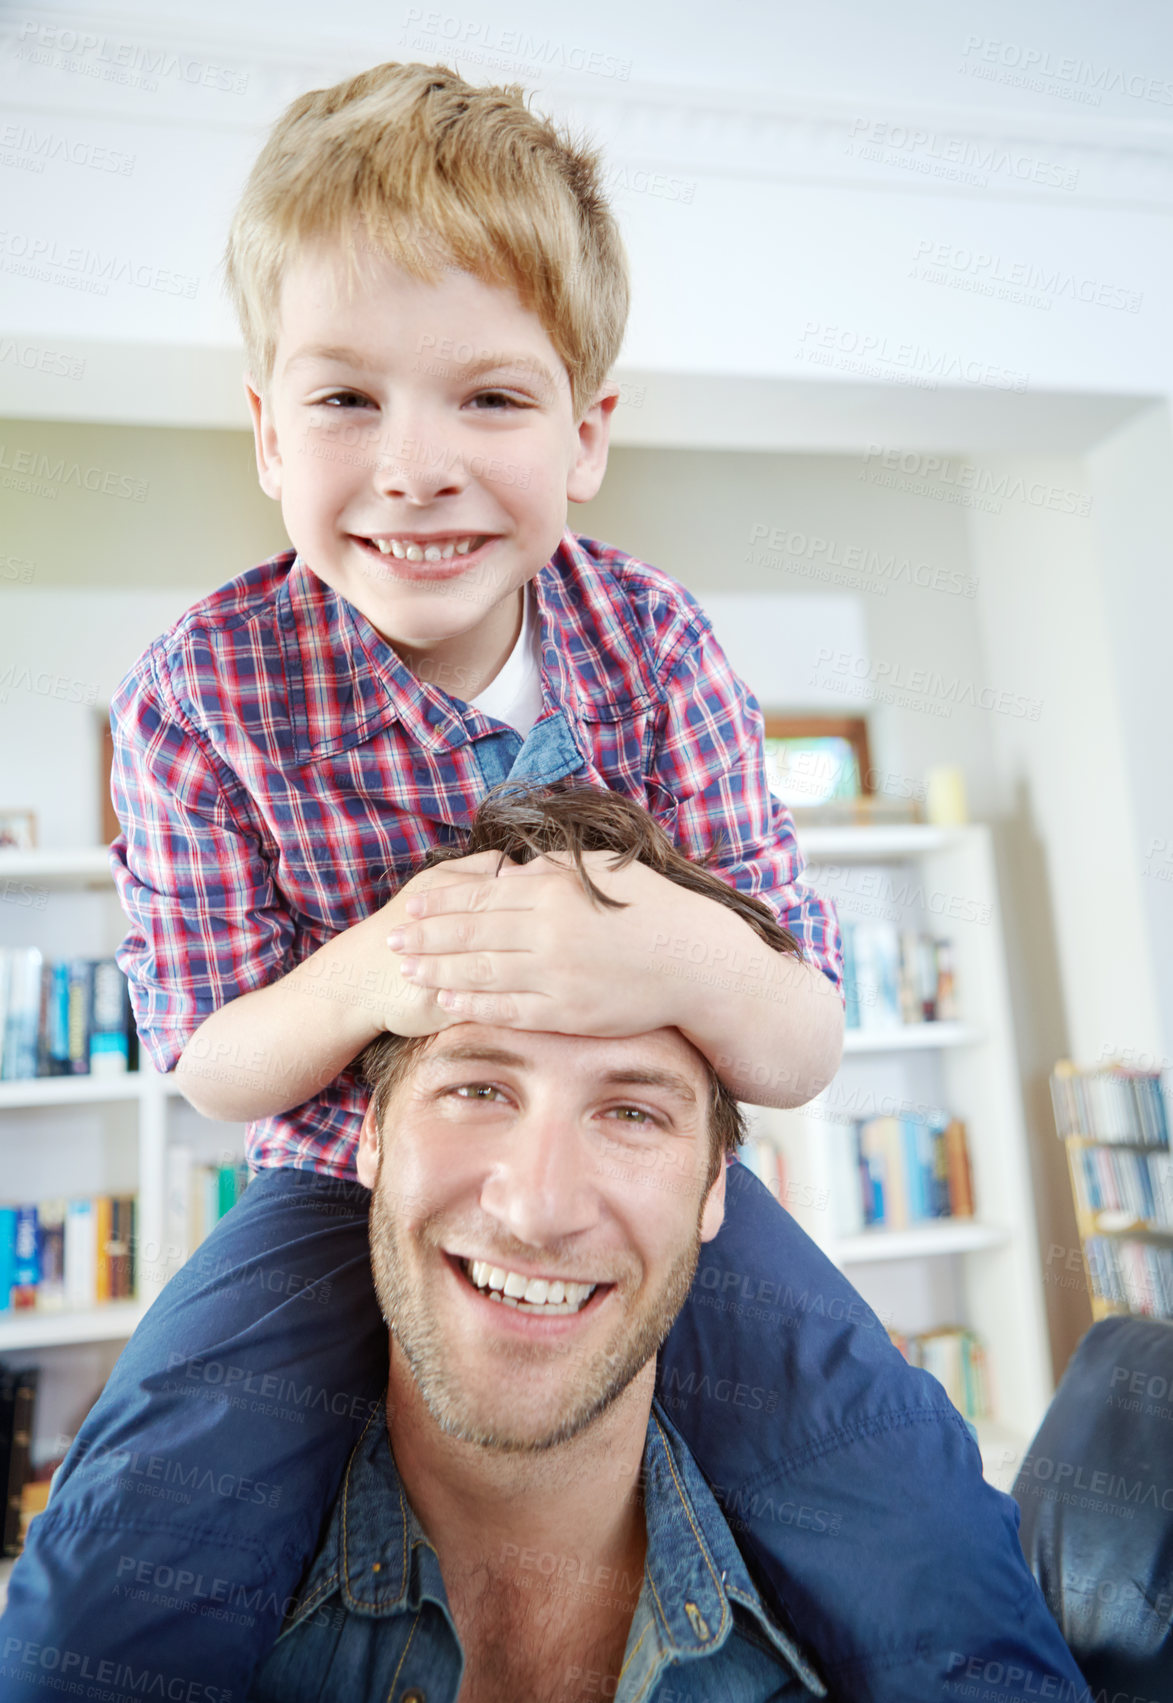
520 1428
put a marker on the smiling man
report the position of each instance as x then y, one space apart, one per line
521 1520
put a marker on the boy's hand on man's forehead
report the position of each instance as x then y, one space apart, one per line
531 950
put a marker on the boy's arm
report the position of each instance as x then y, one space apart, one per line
276 1047
209 950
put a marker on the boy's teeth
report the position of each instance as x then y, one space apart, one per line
553 1295
423 552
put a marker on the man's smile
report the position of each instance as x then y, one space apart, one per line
537 1297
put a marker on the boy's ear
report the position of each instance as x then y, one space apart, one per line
265 439
594 437
713 1211
366 1160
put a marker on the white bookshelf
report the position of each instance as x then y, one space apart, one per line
986 1272
65 903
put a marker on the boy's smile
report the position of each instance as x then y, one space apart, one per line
422 443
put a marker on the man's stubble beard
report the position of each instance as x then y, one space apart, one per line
604 1374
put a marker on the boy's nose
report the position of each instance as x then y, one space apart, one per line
541 1188
419 468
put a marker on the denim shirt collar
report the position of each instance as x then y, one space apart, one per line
379 1558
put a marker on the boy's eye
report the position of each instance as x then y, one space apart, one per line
343 399
497 399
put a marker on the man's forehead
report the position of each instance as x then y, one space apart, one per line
661 1057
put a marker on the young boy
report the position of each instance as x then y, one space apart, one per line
433 292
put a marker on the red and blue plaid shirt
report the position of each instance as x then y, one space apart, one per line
278 772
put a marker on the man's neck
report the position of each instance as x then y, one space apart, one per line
578 1501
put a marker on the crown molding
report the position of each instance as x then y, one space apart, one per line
208 79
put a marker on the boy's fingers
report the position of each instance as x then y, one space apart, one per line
502 1008
499 931
470 896
466 972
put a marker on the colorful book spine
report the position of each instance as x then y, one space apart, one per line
26 1272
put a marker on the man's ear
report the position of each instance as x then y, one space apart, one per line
366 1160
265 439
594 437
713 1211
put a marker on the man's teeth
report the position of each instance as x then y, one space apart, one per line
533 1293
427 552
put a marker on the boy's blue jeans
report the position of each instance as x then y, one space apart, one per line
193 1498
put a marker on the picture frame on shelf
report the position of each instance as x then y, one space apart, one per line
821 768
815 760
18 830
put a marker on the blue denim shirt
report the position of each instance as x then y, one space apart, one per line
372 1619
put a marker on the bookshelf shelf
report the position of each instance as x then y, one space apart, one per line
883 843
43 1329
919 1241
82 866
912 1037
84 1090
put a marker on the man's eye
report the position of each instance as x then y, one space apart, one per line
632 1115
477 1091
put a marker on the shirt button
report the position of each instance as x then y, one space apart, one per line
413 1696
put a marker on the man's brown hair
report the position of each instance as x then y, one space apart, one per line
567 820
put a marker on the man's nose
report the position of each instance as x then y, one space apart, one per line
541 1189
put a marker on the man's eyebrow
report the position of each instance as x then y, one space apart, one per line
623 1076
652 1076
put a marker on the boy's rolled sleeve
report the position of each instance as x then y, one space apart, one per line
206 922
710 762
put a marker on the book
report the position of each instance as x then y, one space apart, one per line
80 1253
103 1216
960 1176
26 1272
19 1430
80 979
7 1255
22 1013
110 1025
121 1248
51 1234
877 969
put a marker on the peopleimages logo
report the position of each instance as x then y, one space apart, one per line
967 482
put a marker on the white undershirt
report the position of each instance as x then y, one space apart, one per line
514 696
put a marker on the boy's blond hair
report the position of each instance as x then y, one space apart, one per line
430 170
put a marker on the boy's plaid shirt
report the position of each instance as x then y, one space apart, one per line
278 772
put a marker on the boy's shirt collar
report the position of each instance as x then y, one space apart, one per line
346 683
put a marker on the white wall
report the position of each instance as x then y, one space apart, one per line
784 175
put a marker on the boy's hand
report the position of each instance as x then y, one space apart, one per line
411 1007
530 950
